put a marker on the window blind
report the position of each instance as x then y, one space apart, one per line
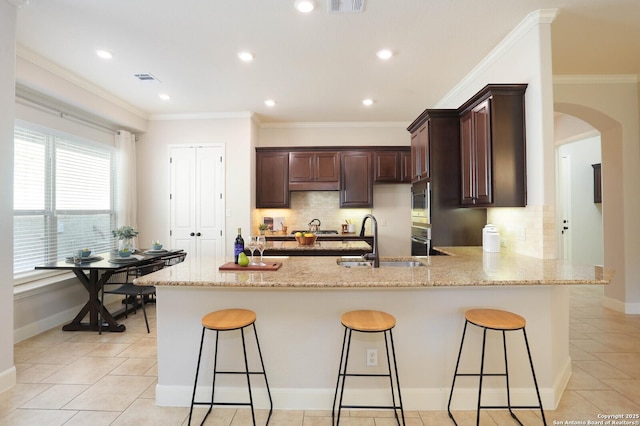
64 197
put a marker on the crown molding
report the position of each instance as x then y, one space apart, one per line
63 73
202 116
597 79
335 124
532 20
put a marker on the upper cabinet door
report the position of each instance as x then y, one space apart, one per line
319 171
420 152
476 167
357 179
493 148
392 166
272 179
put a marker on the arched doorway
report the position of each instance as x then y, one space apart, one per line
612 189
579 213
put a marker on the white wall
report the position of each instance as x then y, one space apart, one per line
34 310
7 93
611 105
585 222
153 166
524 56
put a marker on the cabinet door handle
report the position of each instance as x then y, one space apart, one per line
193 234
198 234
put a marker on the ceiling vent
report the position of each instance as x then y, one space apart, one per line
346 6
145 76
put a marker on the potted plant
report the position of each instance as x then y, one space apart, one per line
125 235
263 227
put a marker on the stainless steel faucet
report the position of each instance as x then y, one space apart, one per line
375 256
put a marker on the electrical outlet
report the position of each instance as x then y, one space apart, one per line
372 357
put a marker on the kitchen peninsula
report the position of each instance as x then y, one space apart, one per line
299 308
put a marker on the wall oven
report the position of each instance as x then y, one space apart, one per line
420 218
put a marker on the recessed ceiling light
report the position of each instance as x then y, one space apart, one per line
305 6
270 103
164 96
245 56
384 54
367 102
104 54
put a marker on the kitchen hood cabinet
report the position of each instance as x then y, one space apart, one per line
492 143
314 171
272 179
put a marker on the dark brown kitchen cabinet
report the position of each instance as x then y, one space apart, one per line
392 166
492 144
356 172
272 179
420 152
319 171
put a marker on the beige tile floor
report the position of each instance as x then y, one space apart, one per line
77 378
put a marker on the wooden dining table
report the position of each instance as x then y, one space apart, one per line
93 272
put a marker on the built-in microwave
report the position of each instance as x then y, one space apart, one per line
420 218
421 203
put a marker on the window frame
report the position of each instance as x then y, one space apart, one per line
49 213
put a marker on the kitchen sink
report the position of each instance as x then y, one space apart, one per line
350 263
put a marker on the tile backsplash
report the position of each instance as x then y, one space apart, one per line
308 205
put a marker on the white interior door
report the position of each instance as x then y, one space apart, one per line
209 211
197 200
565 207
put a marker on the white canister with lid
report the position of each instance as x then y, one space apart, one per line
490 239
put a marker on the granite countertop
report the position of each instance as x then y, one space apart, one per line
465 266
318 246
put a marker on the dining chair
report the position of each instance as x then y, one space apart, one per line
133 293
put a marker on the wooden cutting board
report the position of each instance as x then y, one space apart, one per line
270 266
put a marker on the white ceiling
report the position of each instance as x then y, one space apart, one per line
317 67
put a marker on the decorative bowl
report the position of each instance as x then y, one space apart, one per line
123 253
156 246
306 241
85 253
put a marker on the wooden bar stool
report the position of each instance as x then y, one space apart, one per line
367 321
493 319
229 320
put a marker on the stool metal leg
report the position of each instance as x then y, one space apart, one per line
506 375
395 367
484 340
533 373
193 397
335 396
344 374
246 366
455 374
264 373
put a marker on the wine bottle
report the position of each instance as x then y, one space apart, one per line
238 246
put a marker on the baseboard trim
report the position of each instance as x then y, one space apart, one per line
7 379
424 399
